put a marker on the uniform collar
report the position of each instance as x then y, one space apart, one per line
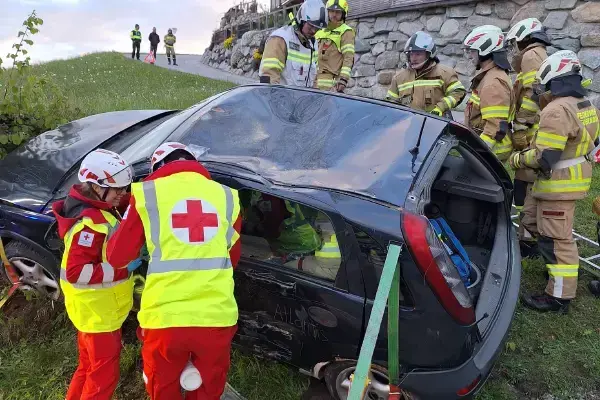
479 76
519 57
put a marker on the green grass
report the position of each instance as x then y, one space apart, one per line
545 354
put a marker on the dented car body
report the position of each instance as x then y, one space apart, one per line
376 172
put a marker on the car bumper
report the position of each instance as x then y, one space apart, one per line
446 384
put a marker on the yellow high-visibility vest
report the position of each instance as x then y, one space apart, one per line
101 307
188 222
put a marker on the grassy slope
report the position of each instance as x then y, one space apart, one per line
546 353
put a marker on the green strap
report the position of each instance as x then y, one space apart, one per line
359 382
393 322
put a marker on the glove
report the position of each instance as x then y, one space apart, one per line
519 140
437 111
135 264
515 160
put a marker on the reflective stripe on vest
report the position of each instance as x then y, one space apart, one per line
188 223
421 83
330 249
300 67
335 35
136 35
101 307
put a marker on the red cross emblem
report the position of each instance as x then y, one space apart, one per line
86 236
194 221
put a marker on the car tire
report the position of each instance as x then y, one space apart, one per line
38 271
336 377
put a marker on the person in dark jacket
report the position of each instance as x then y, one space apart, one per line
154 41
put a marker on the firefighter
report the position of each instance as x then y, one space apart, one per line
559 154
527 41
336 49
98 297
191 225
289 56
136 41
425 84
488 108
170 40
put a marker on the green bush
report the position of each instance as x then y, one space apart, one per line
29 104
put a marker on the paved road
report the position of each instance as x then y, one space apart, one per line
191 63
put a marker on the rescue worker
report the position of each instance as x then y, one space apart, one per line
154 41
136 41
425 84
488 108
170 40
527 41
559 154
98 297
336 49
191 225
289 56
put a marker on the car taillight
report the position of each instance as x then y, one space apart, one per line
468 389
437 268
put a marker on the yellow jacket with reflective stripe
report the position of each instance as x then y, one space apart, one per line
95 308
568 129
527 62
490 103
336 55
436 86
190 276
135 35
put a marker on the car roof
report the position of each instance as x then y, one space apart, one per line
309 138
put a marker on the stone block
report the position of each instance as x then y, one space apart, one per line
409 28
556 19
590 57
450 28
567 44
363 70
505 9
389 46
533 9
551 50
483 9
587 12
478 20
446 60
440 42
378 49
385 24
460 36
462 11
367 81
434 11
405 16
361 46
560 4
379 92
387 60
591 39
365 30
453 49
368 59
576 30
434 24
397 36
385 77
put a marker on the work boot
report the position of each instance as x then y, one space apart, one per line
544 302
174 61
169 59
529 249
594 287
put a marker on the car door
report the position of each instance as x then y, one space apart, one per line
291 315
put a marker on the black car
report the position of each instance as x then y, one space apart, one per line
375 172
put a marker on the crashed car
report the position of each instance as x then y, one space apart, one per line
371 173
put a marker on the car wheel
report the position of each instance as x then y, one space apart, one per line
337 379
35 270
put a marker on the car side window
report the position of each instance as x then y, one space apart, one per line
288 235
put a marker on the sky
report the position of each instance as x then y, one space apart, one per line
75 27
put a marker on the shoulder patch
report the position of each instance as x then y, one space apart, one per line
584 104
86 239
294 46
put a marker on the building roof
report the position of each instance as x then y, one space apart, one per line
363 8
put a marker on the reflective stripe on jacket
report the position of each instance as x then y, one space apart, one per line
99 307
568 129
188 223
169 40
293 64
135 35
336 55
436 86
490 103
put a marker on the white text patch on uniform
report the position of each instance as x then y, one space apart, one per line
86 239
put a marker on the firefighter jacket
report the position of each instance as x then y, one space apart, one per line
289 60
489 104
98 297
569 128
135 35
336 56
169 40
435 86
191 226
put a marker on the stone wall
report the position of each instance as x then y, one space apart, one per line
572 24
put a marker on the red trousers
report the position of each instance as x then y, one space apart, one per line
97 375
167 351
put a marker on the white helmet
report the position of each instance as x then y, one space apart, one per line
561 63
313 12
485 39
524 28
165 149
106 169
